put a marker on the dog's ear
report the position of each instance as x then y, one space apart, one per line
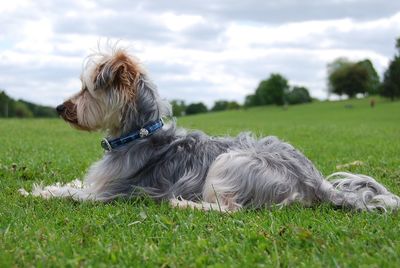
119 73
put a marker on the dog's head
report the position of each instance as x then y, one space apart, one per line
114 90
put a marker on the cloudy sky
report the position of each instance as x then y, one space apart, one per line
194 50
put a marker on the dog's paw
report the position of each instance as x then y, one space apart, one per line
178 203
23 192
44 192
183 204
37 190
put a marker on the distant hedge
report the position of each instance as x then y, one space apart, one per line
23 109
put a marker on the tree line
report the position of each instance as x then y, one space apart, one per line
179 107
23 109
276 90
273 91
351 78
345 77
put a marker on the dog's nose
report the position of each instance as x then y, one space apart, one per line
60 108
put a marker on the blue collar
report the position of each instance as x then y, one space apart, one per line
145 131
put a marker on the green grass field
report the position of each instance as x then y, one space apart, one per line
36 232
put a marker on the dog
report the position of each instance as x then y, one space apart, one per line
145 156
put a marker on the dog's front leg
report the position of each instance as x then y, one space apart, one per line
181 203
74 189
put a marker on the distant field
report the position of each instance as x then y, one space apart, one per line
36 232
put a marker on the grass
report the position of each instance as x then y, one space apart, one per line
36 232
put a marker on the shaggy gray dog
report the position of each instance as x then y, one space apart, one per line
190 169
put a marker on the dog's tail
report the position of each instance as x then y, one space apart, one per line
359 192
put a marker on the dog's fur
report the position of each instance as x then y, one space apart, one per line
191 169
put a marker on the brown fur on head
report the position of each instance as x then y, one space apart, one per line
109 82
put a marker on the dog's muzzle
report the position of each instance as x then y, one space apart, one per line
60 109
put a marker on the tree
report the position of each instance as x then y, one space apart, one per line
251 100
7 105
349 78
373 77
298 95
223 105
276 90
39 110
333 67
196 108
398 45
391 81
178 107
270 91
390 87
22 110
233 105
220 105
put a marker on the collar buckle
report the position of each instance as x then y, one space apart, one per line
106 145
143 132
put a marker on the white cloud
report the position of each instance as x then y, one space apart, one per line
11 6
178 23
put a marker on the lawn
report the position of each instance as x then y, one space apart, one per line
36 232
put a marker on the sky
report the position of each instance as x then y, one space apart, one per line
193 50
